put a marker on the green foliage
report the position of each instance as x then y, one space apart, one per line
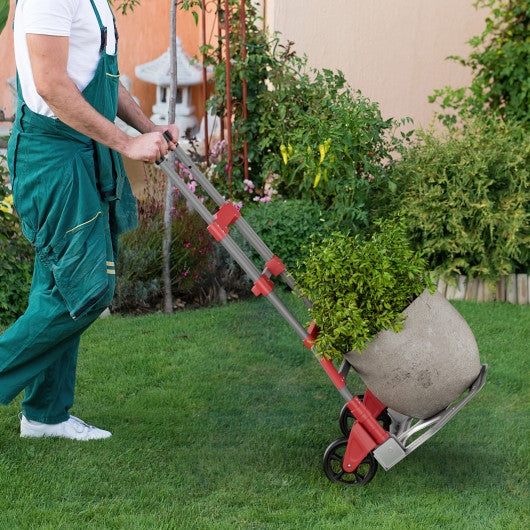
334 143
4 13
361 286
139 269
286 226
16 256
126 5
467 199
306 129
500 64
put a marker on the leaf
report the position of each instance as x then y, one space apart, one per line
4 13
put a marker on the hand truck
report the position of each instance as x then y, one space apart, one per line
378 434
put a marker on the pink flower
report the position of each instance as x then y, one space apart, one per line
265 199
249 185
239 205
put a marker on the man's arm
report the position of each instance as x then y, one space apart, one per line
49 59
130 112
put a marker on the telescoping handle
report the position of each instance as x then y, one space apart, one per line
218 222
169 138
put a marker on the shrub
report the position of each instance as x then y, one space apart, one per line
500 63
360 286
325 140
16 256
139 269
466 199
334 143
286 227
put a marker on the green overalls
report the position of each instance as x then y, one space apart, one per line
74 200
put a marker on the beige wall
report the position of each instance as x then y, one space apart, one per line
392 50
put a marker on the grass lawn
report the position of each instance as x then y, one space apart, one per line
220 418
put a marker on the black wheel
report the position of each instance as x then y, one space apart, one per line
332 462
346 419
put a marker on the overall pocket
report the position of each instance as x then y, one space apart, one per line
71 231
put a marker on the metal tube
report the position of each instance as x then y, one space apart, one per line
241 224
232 247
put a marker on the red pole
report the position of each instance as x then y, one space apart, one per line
205 87
220 56
243 57
228 96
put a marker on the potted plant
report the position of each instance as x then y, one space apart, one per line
375 304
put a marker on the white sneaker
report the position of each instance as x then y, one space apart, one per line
73 428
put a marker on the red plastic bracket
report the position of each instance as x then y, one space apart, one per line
226 215
364 416
374 406
263 286
360 443
312 337
275 265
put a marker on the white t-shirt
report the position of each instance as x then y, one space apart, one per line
64 18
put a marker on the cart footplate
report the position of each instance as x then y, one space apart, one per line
395 448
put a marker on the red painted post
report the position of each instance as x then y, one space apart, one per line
220 54
244 81
228 96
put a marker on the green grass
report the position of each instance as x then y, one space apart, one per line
220 418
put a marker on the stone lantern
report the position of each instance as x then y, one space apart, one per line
188 75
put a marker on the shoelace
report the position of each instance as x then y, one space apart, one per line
81 423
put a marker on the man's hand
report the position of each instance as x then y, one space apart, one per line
148 147
173 131
152 146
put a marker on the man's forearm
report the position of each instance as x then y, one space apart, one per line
131 113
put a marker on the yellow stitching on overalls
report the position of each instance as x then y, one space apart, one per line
82 224
112 75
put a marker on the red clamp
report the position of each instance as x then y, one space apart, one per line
313 334
263 286
226 215
275 265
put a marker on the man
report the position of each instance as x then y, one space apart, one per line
73 197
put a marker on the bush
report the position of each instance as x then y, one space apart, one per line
466 199
334 143
16 256
500 63
309 135
139 270
286 227
360 286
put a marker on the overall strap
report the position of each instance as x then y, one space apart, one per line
102 28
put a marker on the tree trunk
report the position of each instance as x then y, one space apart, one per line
168 299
